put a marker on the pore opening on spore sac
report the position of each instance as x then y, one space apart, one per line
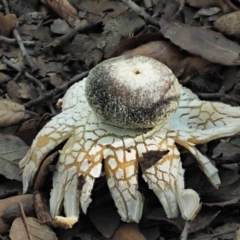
136 71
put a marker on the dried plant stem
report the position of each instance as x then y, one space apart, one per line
218 96
19 75
29 76
141 12
25 221
182 3
6 7
14 41
23 50
66 38
185 231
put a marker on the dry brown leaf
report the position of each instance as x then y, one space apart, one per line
134 42
105 219
7 24
12 150
5 203
3 26
12 212
225 5
229 24
21 90
206 43
37 230
99 8
159 214
203 219
10 113
152 45
11 21
55 80
128 231
29 129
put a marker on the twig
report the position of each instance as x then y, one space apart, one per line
23 50
57 90
65 38
6 7
141 12
51 108
25 221
185 231
31 113
41 209
218 96
29 76
14 41
181 5
19 75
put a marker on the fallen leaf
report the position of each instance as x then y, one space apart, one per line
11 21
152 232
13 211
209 11
29 129
206 43
134 42
223 194
229 24
60 26
55 80
226 231
203 219
99 8
7 24
10 113
128 231
5 203
21 90
225 5
115 32
37 230
105 219
12 150
159 214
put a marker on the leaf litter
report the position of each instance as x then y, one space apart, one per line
59 43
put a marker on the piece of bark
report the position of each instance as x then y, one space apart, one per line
42 209
63 8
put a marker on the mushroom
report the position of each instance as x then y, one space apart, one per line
127 109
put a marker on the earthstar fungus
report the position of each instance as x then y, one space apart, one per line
125 108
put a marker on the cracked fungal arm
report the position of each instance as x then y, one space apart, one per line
197 122
54 132
166 179
204 120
